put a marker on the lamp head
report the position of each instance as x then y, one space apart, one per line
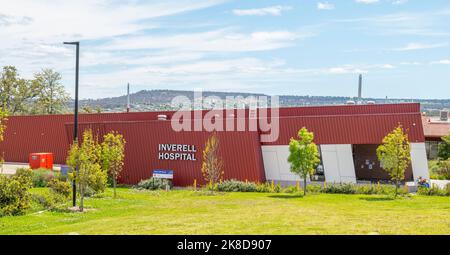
72 43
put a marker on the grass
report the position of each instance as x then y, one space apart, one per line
188 212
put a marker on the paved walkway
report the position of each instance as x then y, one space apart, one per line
10 168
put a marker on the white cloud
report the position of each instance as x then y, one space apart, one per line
35 30
367 1
223 40
399 2
442 62
272 10
356 69
420 46
409 63
325 6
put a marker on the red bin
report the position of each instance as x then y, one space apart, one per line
41 160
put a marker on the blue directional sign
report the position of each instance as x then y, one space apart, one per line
163 174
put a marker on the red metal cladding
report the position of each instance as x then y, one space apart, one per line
350 129
350 109
240 152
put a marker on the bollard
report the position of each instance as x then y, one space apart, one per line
195 184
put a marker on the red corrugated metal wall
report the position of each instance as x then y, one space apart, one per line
240 151
350 129
365 124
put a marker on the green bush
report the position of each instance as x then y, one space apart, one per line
434 191
153 184
313 188
291 190
51 201
344 188
277 188
41 177
14 193
236 186
25 172
443 170
60 187
264 187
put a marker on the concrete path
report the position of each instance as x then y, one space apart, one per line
10 168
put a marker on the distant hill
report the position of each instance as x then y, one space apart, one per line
155 97
148 100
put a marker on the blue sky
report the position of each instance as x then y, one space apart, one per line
301 47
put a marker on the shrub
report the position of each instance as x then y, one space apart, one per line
236 186
291 190
41 177
314 188
434 191
339 189
14 194
264 187
153 184
51 201
60 187
447 189
25 172
443 170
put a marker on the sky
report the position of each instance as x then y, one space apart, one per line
297 47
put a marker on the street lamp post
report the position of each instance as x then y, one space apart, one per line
75 126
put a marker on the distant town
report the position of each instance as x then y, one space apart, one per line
157 100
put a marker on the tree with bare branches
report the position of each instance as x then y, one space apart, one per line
212 166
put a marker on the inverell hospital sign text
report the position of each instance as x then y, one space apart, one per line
177 152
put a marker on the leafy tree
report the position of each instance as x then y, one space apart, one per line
113 155
212 166
87 158
52 97
87 109
16 94
443 165
3 119
394 155
304 155
444 148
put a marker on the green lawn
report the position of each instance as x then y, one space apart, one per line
188 212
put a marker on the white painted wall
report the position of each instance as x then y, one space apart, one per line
338 163
275 163
337 160
419 161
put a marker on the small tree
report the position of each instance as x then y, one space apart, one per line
3 119
304 155
443 164
394 155
444 148
212 166
87 158
113 154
